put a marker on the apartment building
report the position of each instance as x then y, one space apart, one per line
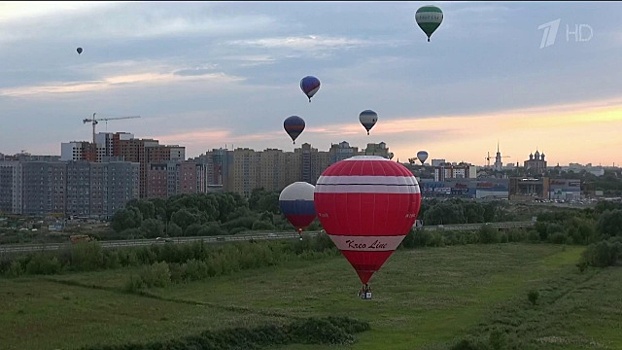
454 171
10 187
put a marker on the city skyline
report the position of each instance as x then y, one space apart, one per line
489 160
208 74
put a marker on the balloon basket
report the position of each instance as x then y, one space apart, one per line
365 296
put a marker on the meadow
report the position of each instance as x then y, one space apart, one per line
427 298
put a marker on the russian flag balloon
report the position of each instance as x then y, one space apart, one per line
296 203
367 205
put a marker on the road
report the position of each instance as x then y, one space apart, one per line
25 248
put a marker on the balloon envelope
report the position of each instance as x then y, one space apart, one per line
367 205
296 203
79 50
422 156
429 18
368 118
294 126
309 85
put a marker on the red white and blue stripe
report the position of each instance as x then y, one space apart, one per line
296 202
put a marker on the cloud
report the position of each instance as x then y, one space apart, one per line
118 81
125 20
304 43
200 70
20 10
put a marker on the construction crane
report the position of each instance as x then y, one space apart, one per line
488 158
94 121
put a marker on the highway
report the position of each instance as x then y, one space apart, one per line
34 247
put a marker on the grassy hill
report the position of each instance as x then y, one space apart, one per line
423 299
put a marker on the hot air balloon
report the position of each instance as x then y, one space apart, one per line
296 203
294 126
422 156
79 50
367 205
309 85
429 18
368 118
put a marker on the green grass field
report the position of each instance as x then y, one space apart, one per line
423 299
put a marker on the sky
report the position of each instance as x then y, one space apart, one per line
208 75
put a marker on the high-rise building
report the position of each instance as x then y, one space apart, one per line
78 150
145 152
377 149
341 151
10 187
437 162
78 191
312 162
218 167
246 175
43 187
116 183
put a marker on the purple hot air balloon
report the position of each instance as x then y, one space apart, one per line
294 126
310 85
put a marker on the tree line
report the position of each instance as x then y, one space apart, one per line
211 214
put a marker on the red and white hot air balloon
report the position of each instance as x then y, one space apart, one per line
367 205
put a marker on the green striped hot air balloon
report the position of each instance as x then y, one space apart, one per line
429 18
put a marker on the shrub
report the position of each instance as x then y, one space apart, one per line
533 296
15 269
533 236
156 275
212 230
603 253
87 256
488 234
262 225
43 264
134 284
558 238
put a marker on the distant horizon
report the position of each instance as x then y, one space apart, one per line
360 149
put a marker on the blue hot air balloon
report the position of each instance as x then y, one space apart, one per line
296 203
422 156
294 126
310 85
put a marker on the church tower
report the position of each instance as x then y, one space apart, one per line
498 163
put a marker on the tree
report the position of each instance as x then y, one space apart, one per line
184 218
152 228
146 208
173 230
126 218
610 223
269 202
226 204
473 212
